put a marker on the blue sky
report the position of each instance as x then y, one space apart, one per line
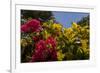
66 18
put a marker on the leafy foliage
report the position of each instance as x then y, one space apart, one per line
49 41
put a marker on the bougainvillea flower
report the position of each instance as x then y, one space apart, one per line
51 41
31 25
35 38
40 45
34 24
24 28
43 53
39 51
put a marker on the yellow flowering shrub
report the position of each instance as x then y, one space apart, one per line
60 55
57 27
24 43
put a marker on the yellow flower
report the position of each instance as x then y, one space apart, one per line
68 30
69 33
57 27
44 24
46 34
24 43
76 27
29 40
60 55
84 45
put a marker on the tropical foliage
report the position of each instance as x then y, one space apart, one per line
48 40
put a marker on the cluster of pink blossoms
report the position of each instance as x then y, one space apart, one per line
31 26
45 50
